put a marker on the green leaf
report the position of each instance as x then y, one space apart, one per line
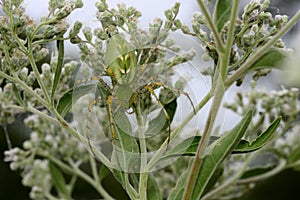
103 172
189 146
58 180
294 156
18 96
71 96
126 150
271 59
119 175
65 103
153 191
216 153
213 180
222 12
245 146
177 191
59 66
257 171
155 126
262 163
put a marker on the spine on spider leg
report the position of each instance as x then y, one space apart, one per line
167 116
90 107
112 129
105 93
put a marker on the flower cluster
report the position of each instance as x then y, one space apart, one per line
13 94
253 29
271 104
46 142
289 144
23 46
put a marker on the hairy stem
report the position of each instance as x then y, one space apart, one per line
195 169
218 96
212 26
143 147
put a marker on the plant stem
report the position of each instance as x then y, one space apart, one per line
37 73
75 170
94 169
174 133
143 154
35 111
81 138
230 39
212 26
195 169
218 96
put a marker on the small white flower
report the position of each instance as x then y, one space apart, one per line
34 136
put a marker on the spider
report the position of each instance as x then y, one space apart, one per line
133 87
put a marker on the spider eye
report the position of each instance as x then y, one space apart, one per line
125 70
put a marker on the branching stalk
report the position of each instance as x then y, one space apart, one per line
75 170
212 26
143 147
252 59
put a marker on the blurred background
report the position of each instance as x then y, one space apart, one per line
282 186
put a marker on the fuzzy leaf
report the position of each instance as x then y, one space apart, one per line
257 171
18 96
155 125
213 180
153 191
222 12
71 96
59 66
245 146
189 146
126 150
177 191
216 153
271 59
294 156
58 180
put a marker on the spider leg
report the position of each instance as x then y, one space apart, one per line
151 90
110 113
94 78
190 100
105 98
87 135
160 84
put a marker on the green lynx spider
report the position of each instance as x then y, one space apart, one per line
125 66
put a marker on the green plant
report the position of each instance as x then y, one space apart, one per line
125 75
